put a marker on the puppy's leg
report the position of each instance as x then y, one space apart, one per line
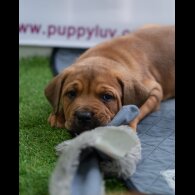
57 120
151 104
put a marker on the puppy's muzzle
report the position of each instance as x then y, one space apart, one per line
84 120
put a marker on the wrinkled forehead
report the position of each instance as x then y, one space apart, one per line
90 77
90 74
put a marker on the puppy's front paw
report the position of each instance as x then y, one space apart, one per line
56 121
133 125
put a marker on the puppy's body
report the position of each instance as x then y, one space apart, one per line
138 68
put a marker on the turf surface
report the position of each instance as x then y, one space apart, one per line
37 139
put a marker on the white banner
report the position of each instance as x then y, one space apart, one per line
84 23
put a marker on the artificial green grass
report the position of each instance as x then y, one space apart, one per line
37 139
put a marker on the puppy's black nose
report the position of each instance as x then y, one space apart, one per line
83 121
83 117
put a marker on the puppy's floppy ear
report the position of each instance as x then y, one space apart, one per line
133 92
53 90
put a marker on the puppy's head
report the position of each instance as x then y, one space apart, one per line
89 94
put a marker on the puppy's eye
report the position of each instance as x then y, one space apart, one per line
71 94
107 97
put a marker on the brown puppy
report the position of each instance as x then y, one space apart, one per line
138 68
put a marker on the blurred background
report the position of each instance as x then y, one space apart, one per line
44 25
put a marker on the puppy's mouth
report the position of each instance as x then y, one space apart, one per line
84 121
76 128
